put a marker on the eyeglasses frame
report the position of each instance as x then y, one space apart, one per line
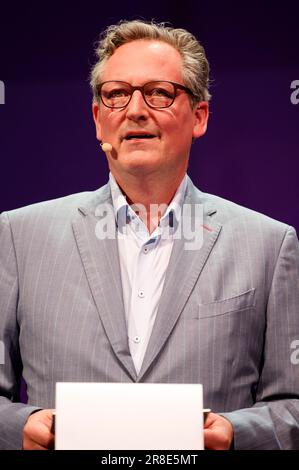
177 86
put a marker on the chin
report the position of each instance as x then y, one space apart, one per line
139 161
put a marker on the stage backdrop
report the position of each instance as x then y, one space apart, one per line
250 153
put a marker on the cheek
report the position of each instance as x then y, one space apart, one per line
178 120
110 122
178 131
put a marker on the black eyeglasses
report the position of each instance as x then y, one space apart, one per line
156 94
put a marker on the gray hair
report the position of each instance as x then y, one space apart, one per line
195 64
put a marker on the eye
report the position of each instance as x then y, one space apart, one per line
116 93
160 92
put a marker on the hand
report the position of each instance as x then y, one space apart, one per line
37 433
218 432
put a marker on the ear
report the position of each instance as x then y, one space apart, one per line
96 119
201 116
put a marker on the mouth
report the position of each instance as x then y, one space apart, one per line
132 136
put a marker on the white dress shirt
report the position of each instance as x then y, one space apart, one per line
144 258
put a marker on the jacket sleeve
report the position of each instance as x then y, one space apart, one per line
273 421
13 414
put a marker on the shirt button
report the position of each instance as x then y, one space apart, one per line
136 339
145 250
141 294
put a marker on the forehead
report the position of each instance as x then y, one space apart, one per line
142 60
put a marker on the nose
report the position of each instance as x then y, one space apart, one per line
137 109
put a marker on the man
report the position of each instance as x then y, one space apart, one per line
141 306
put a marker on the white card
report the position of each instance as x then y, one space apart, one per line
94 416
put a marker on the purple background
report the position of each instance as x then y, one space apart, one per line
47 139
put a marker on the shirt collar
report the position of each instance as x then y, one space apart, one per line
124 213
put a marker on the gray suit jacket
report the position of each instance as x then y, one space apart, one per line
227 317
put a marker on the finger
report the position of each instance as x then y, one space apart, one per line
45 441
29 444
210 419
47 418
208 439
40 434
212 440
35 446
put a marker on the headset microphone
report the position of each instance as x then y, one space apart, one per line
106 147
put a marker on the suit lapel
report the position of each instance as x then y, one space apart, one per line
101 263
182 273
